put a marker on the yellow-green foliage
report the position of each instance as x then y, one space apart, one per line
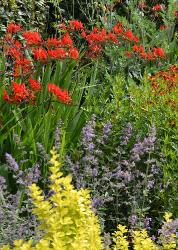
66 217
69 223
120 240
140 239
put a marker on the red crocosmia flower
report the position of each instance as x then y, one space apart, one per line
20 92
34 84
24 65
12 28
129 35
157 7
128 54
163 27
66 40
103 33
94 51
76 25
96 48
83 34
57 53
73 53
117 30
23 62
15 53
95 29
5 96
62 96
96 36
112 37
136 48
17 44
40 54
143 55
53 42
136 39
150 56
158 52
142 49
32 37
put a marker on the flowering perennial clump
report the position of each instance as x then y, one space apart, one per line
66 221
116 178
17 44
165 81
164 85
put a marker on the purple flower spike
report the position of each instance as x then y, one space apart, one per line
126 134
107 128
13 166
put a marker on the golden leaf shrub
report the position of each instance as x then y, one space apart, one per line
65 217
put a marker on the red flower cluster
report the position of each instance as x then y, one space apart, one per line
76 25
164 89
12 28
158 52
13 48
32 37
22 66
66 40
73 53
14 52
118 28
163 27
97 39
57 53
96 36
113 38
62 96
19 94
60 49
152 55
165 82
40 54
128 54
94 51
42 51
34 84
130 36
157 7
53 42
139 49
